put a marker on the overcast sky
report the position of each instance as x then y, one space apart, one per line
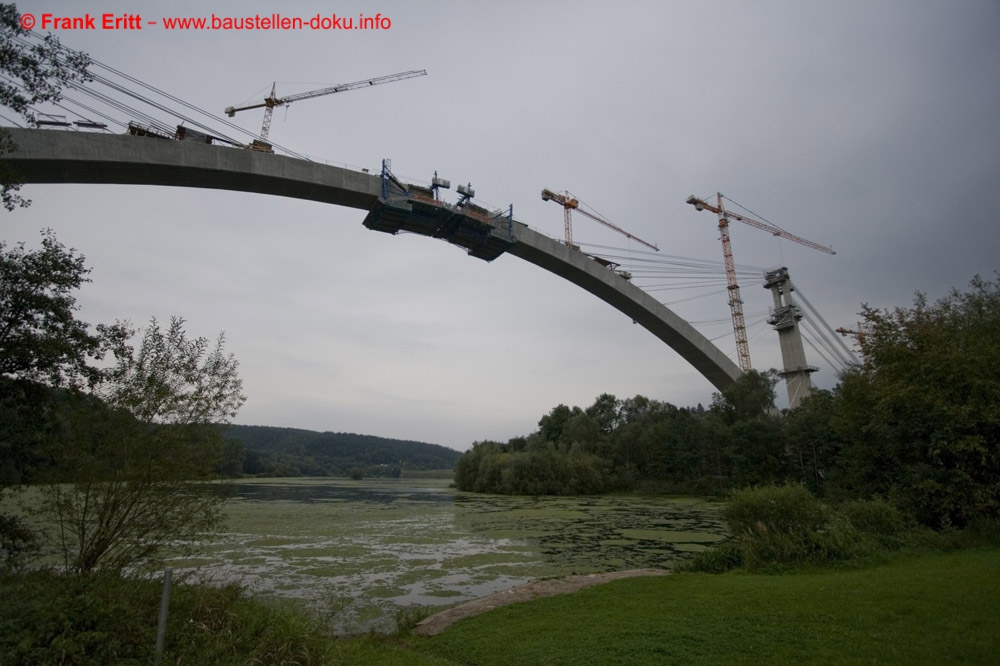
868 125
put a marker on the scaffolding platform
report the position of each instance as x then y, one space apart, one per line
484 234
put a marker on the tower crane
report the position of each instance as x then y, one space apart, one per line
735 301
272 100
861 333
570 203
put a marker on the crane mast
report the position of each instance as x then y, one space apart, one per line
568 203
272 100
735 300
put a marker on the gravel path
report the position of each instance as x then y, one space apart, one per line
438 622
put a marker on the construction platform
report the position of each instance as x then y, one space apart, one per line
484 234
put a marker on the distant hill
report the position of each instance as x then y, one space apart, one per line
270 451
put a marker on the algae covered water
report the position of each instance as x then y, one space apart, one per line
360 552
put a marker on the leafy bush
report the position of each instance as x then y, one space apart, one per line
18 543
99 619
876 517
787 509
724 557
778 526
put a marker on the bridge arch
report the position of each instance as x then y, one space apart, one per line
48 156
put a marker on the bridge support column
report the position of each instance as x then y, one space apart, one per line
785 320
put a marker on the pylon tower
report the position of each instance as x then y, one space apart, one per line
785 320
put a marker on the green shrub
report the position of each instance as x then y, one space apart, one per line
773 549
49 619
726 556
772 526
840 541
876 517
978 533
766 510
18 544
775 527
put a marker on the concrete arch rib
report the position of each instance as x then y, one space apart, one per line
614 290
50 156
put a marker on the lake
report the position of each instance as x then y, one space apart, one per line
359 551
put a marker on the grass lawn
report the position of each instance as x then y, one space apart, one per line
929 609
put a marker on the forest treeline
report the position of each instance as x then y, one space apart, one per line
276 452
617 444
917 422
238 451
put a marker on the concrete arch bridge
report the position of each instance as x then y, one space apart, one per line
50 156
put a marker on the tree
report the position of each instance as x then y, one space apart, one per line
750 397
582 433
552 425
233 460
33 73
40 337
133 448
759 455
605 411
30 74
813 443
23 409
923 411
176 381
43 347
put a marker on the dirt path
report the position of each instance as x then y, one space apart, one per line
438 622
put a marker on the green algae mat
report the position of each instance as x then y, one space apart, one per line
360 553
